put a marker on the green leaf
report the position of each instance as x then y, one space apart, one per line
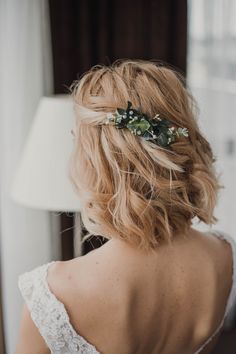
138 125
121 111
162 139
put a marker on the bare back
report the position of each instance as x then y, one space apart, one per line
125 302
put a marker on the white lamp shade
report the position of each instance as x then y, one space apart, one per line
42 178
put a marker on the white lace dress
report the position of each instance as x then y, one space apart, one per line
50 315
52 320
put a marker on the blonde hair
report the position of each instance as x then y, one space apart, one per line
133 189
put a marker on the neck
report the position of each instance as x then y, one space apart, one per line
116 246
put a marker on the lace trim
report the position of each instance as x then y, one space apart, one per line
232 294
50 315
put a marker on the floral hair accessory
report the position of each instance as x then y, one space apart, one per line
158 130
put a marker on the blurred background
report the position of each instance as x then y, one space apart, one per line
47 44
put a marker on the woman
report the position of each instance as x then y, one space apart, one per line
143 171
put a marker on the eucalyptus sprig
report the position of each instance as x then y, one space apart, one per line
158 130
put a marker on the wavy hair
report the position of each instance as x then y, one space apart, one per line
131 188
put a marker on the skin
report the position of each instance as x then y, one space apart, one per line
126 302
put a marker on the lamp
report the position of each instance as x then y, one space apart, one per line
41 180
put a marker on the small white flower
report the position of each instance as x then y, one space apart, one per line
110 116
183 131
157 116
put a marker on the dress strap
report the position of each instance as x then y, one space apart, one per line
231 302
50 315
232 296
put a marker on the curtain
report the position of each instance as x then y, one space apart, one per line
212 78
87 32
211 74
26 75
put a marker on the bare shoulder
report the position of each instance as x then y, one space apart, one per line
219 248
64 276
222 249
218 253
74 280
75 285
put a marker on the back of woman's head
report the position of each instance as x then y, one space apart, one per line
131 188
